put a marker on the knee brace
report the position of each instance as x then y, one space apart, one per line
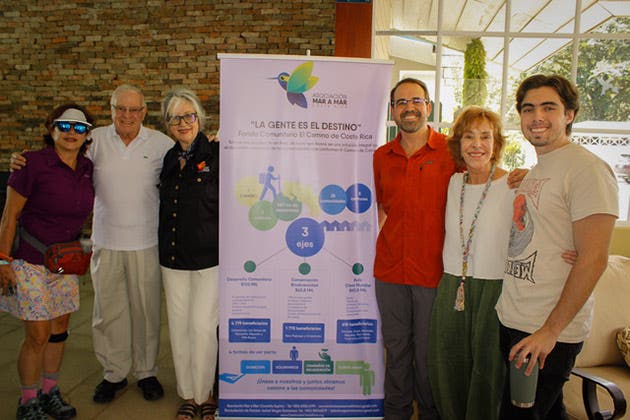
58 338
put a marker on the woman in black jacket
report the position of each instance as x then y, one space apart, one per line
189 254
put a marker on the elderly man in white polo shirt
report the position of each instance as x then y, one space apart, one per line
125 266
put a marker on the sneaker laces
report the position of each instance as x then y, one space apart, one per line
56 401
32 411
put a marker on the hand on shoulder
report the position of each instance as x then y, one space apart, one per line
17 161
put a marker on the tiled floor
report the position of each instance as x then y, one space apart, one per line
81 372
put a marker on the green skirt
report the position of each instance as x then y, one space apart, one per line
466 368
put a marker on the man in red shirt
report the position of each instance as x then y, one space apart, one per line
411 175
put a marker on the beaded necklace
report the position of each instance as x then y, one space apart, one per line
459 300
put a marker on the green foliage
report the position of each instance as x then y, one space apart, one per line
475 75
513 155
603 75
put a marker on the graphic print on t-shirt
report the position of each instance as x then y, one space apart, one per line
523 230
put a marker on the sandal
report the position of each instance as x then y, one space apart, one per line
208 410
188 410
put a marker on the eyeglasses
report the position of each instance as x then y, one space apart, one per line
189 118
130 109
79 128
402 102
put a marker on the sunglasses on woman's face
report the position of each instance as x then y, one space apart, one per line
64 127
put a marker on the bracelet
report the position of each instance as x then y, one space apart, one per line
4 262
4 258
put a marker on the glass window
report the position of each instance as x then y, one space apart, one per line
604 75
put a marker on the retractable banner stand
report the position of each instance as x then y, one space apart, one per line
299 327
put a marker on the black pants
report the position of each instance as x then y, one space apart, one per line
405 316
551 379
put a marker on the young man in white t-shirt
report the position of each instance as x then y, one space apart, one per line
567 201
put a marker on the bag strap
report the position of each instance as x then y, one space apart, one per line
33 241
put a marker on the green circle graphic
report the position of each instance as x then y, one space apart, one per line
304 268
262 216
249 266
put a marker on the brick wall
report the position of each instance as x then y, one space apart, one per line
57 51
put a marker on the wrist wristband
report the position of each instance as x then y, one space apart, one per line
4 258
4 262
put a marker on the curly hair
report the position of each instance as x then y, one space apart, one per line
465 118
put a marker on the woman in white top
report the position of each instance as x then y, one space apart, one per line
465 365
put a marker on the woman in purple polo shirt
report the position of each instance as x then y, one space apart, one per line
50 198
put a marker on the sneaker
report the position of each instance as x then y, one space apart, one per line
151 388
54 405
106 391
31 410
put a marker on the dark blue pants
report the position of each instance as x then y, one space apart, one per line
551 379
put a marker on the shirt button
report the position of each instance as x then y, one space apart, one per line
176 187
173 258
173 229
175 201
173 243
174 215
198 179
